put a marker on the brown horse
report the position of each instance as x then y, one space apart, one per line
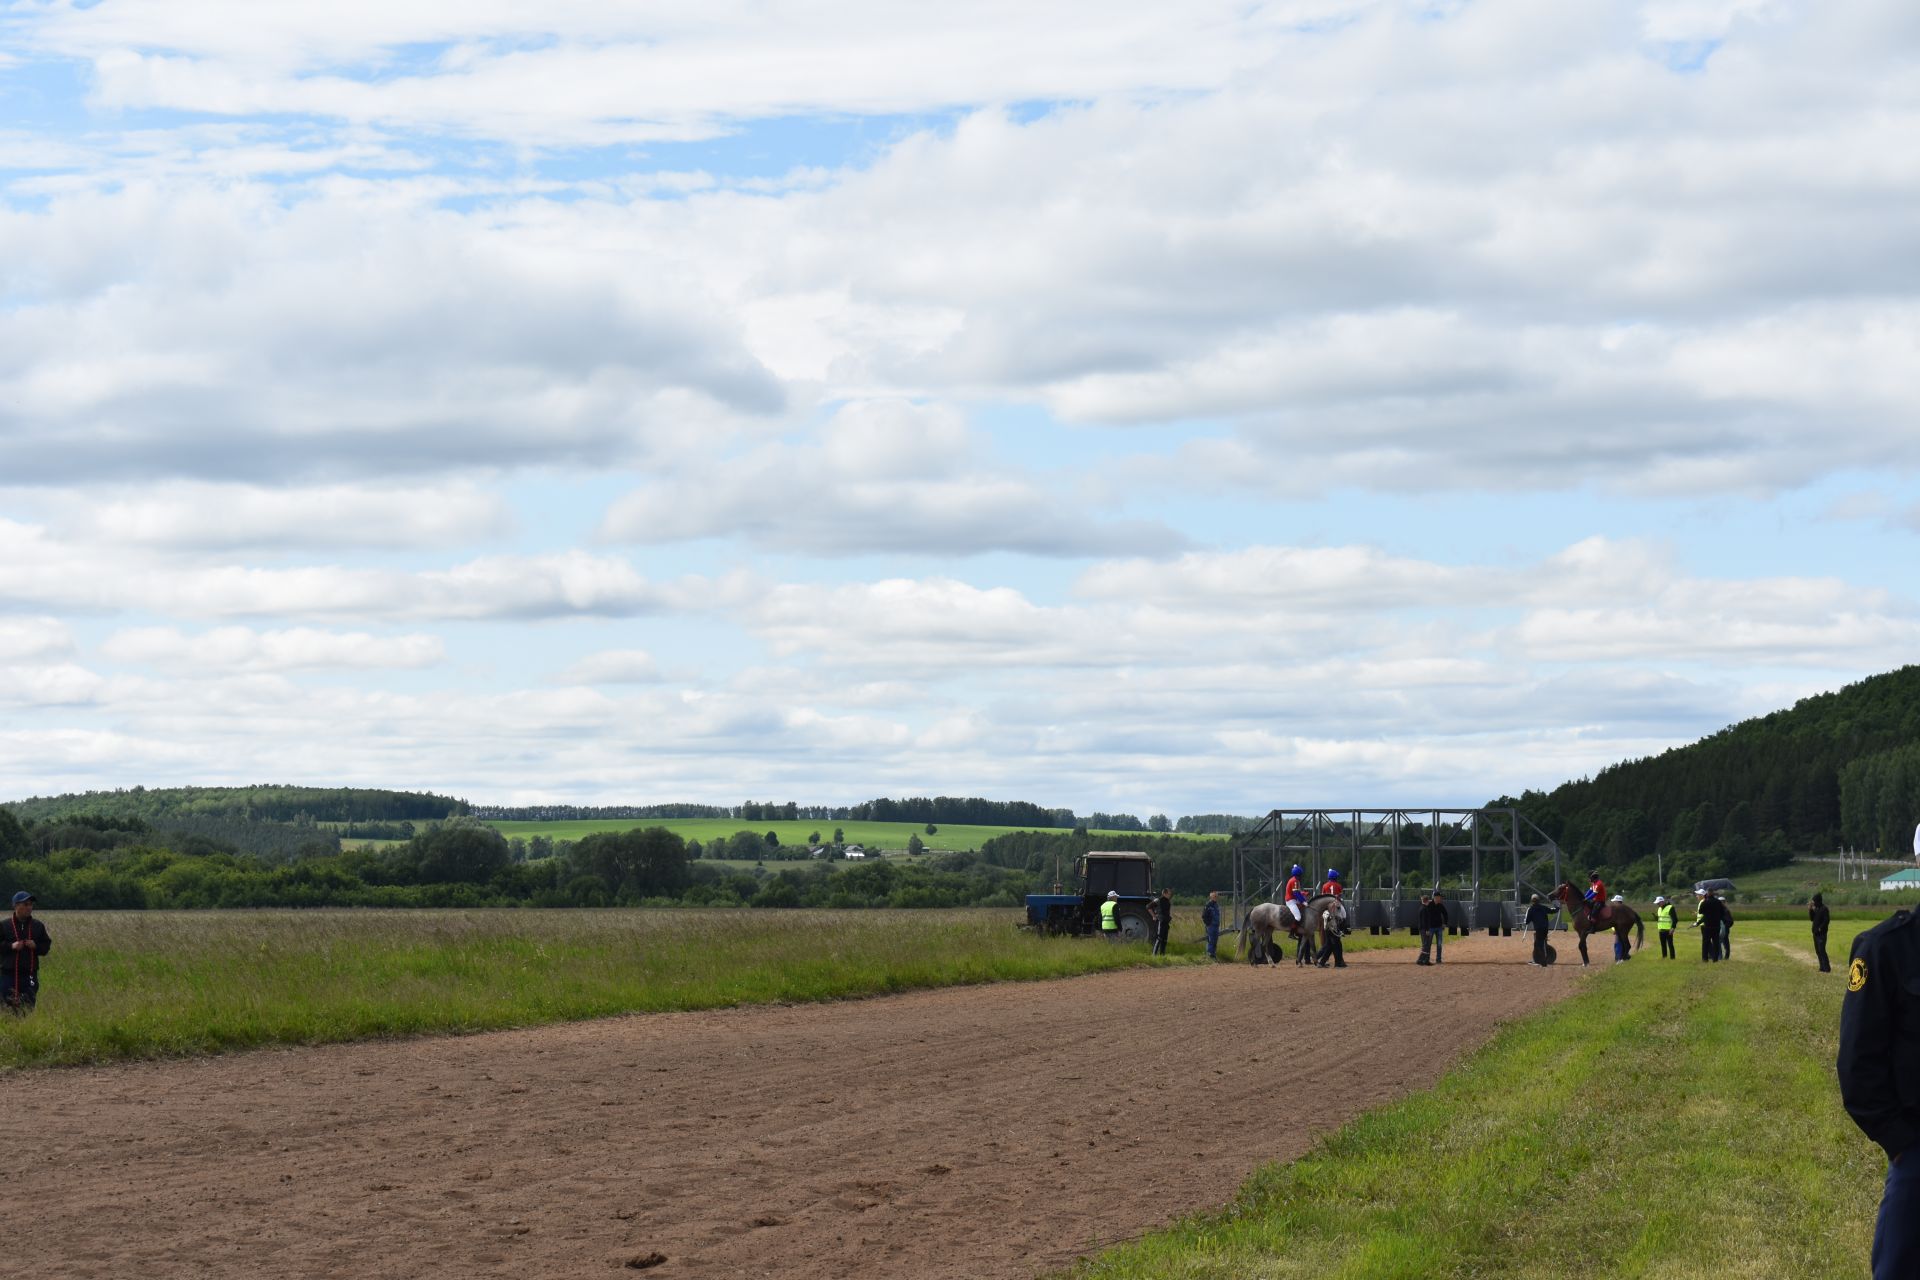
1624 918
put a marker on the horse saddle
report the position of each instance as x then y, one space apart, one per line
1604 915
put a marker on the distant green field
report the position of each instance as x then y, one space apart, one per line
883 835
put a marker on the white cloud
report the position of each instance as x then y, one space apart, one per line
612 666
40 571
253 517
885 476
227 650
572 73
25 640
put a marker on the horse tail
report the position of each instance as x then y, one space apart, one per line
1639 931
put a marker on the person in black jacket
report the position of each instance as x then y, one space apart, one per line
1210 918
23 940
1539 920
1818 914
1879 1069
1433 925
1707 918
1726 928
1162 921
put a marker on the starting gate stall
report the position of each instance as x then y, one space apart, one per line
1492 859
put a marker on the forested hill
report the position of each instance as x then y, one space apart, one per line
1838 768
265 803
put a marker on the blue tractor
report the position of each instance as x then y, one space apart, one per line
1128 874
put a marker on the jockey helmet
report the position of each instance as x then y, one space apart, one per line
1332 874
1298 870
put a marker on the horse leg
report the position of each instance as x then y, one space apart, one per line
1583 948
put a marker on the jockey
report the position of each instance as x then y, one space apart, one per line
1296 895
1334 889
1597 895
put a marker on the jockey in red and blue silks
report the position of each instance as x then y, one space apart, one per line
1296 894
1596 894
1335 889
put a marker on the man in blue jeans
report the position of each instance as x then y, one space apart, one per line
1210 917
1879 1070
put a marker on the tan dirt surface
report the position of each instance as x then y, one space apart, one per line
974 1132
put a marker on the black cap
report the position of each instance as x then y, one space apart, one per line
22 896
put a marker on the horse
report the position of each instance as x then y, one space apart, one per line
1318 917
1584 923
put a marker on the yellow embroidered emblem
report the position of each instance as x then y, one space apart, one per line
1857 975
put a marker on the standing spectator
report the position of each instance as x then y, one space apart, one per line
25 940
1879 1069
1706 917
1621 950
1820 918
1162 921
1420 924
1539 920
1433 925
1210 917
1663 921
1726 928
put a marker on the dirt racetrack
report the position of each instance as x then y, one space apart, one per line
976 1132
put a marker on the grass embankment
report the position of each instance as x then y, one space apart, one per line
873 835
155 983
1673 1119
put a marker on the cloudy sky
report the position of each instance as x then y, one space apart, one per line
1125 406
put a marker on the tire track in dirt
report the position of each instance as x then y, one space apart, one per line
973 1132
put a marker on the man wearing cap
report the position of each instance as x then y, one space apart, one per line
1879 1070
1109 916
1210 918
1663 921
1621 949
25 941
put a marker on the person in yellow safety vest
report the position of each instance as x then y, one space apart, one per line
1664 919
1109 923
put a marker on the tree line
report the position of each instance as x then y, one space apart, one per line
265 803
1837 768
104 862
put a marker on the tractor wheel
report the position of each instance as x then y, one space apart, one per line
1134 925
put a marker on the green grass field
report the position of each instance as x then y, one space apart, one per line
156 983
882 835
1673 1119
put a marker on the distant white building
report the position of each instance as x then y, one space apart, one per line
1908 879
855 851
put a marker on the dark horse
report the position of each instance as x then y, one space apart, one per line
1582 918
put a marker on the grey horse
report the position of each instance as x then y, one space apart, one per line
1265 920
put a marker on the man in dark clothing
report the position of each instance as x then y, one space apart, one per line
1162 921
1879 1069
24 940
1433 925
1821 917
1706 918
1210 917
1539 920
1726 928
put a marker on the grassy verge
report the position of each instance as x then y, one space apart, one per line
1674 1119
148 984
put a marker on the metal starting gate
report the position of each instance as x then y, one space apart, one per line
1492 859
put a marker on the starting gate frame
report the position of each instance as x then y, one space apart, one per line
1503 855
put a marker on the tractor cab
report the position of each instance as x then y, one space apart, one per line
1100 872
